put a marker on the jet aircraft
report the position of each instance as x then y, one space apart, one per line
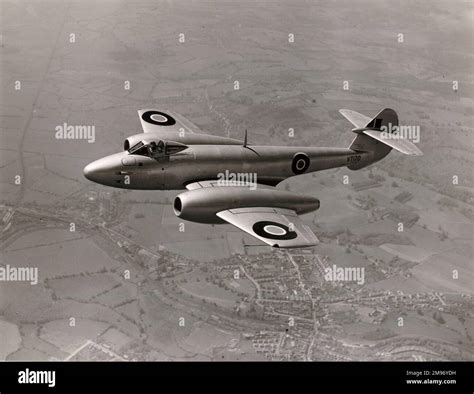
232 181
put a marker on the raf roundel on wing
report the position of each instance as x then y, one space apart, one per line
158 118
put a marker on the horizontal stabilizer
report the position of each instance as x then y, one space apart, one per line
357 119
379 129
400 144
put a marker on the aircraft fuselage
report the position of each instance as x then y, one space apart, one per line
269 164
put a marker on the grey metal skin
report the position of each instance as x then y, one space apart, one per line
271 164
201 205
170 155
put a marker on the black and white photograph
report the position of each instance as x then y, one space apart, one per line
237 184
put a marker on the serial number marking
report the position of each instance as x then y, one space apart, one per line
353 159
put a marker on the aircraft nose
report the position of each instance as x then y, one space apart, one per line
91 170
102 170
106 170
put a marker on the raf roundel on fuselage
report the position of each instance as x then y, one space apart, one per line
300 163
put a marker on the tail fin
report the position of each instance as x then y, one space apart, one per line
385 118
377 136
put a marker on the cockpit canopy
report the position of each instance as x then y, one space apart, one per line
156 149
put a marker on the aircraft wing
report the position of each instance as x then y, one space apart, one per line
276 227
154 121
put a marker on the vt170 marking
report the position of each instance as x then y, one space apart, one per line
353 159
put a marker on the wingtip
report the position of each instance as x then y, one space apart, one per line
416 151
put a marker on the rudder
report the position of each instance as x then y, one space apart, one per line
385 118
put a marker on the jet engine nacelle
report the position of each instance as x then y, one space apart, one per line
202 205
133 140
